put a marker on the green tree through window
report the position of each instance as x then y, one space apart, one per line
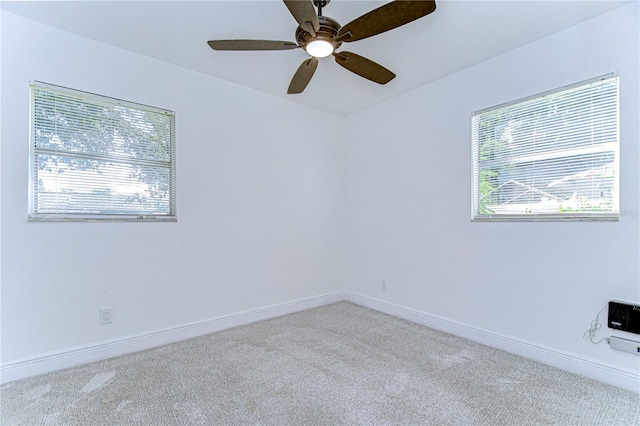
94 157
551 156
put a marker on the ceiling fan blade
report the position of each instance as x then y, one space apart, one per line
251 45
387 17
303 75
364 67
305 14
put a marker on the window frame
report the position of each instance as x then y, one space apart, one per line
477 216
96 99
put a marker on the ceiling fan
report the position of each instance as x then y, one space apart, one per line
320 36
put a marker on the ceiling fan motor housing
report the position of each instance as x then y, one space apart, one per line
327 32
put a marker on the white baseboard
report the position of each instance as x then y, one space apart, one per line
79 355
609 374
72 357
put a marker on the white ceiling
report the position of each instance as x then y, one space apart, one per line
457 35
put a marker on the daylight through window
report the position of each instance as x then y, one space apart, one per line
98 158
553 156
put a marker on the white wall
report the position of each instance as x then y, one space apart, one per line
259 205
408 165
262 211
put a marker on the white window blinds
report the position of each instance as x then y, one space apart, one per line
98 158
553 156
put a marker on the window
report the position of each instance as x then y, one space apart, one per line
553 156
98 158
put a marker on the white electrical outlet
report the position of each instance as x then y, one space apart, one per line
384 281
106 315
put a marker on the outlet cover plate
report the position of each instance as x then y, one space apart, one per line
106 316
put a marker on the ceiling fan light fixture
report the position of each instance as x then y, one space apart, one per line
319 48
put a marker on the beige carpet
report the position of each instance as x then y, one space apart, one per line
338 364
